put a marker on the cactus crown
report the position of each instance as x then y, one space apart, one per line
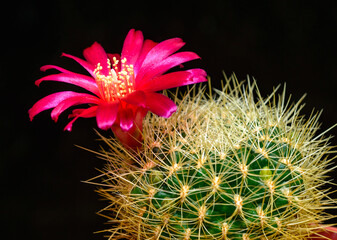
230 166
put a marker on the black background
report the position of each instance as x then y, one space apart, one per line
42 196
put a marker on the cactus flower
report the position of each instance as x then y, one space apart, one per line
325 233
123 88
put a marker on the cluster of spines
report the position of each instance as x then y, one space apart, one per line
223 168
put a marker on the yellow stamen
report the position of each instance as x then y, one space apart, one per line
116 84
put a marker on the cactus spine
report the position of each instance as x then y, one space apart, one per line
234 166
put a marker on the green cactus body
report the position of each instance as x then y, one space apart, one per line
221 168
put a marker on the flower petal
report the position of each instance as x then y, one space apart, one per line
132 46
95 54
106 115
126 118
80 80
89 67
174 79
163 50
89 112
49 102
136 98
160 104
47 67
168 63
82 98
79 111
197 75
132 138
325 233
147 46
158 53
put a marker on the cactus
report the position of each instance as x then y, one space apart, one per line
227 166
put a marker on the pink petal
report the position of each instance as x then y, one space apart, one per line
90 112
47 67
324 234
126 118
79 111
147 46
106 115
136 98
197 75
82 98
49 102
166 64
158 53
160 104
132 138
89 67
96 54
132 46
174 79
80 80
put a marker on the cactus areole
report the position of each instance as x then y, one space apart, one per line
233 166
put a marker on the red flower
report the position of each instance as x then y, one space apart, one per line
123 86
325 233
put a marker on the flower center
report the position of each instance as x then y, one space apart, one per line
118 83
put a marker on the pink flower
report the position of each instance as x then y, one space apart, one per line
325 234
123 87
